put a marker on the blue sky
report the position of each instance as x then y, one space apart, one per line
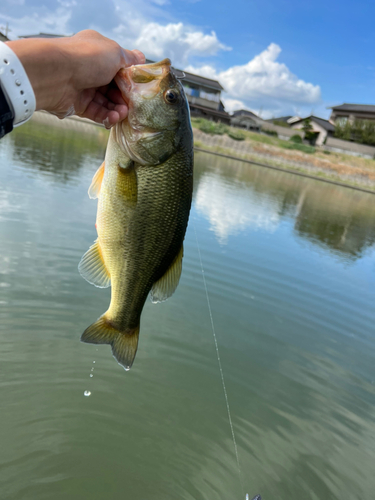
277 56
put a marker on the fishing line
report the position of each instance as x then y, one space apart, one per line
220 367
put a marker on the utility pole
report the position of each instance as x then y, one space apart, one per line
5 29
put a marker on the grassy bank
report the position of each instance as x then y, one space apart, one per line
271 150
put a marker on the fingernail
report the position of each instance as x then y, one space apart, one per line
140 56
107 124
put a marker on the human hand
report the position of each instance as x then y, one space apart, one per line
74 75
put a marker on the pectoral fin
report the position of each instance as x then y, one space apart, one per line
93 268
165 287
96 182
127 184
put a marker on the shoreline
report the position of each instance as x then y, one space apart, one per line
261 150
344 170
288 171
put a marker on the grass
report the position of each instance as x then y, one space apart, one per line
263 144
300 147
332 176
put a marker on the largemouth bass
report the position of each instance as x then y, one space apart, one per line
144 190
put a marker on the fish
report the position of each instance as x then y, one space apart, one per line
144 190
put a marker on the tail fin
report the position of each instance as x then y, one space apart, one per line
124 343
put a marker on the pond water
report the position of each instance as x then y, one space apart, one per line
290 273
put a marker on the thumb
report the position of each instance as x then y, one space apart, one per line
133 57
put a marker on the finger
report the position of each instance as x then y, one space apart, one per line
122 111
132 57
140 56
101 99
114 95
101 114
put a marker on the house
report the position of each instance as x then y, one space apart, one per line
203 95
3 38
279 119
350 112
320 127
243 118
42 35
288 120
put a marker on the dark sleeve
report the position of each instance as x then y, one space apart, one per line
6 115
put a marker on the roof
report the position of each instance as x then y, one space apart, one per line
213 112
279 119
244 112
42 35
3 37
198 80
364 108
320 121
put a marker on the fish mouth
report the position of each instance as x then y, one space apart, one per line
144 79
139 81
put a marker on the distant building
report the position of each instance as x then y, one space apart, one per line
3 38
279 119
285 119
42 35
203 95
322 128
243 118
350 112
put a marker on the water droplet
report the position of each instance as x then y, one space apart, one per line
93 361
91 375
92 369
87 393
247 496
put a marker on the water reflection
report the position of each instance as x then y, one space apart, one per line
295 328
57 151
236 196
231 210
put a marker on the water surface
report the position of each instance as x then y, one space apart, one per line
289 266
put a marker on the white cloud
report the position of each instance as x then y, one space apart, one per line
133 26
264 83
46 22
177 41
231 211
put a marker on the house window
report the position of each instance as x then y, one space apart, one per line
189 90
341 120
210 96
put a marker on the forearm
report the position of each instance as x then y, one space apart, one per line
48 67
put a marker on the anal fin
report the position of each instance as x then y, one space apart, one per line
167 284
93 268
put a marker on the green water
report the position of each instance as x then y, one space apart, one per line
289 265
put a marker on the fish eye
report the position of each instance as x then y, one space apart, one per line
171 96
